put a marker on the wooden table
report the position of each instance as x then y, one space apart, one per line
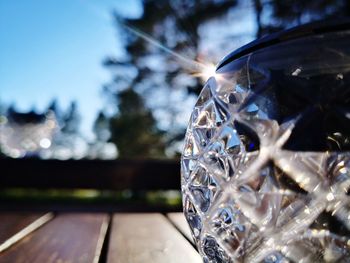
95 238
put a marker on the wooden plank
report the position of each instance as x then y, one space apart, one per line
66 238
148 238
90 174
15 226
179 220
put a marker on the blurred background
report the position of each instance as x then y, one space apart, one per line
105 80
118 79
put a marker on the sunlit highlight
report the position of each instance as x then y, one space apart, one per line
208 71
45 143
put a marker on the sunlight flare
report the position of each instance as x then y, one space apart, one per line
197 69
208 70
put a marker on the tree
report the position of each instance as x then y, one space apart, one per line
170 41
134 129
161 67
2 108
2 122
68 142
54 108
101 127
289 13
177 26
71 120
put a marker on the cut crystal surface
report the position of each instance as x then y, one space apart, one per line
266 163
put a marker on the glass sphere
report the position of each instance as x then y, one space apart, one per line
266 163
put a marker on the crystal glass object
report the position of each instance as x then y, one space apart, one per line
266 163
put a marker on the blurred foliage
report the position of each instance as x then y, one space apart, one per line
134 129
101 127
153 85
170 198
71 120
282 14
176 25
51 134
150 71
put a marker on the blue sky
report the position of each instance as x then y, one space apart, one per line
54 49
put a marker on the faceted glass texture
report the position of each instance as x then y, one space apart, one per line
266 163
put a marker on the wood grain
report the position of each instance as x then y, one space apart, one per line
14 227
148 238
179 220
12 223
67 238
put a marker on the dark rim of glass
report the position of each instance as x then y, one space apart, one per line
309 29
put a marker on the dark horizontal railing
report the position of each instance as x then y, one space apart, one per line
90 174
